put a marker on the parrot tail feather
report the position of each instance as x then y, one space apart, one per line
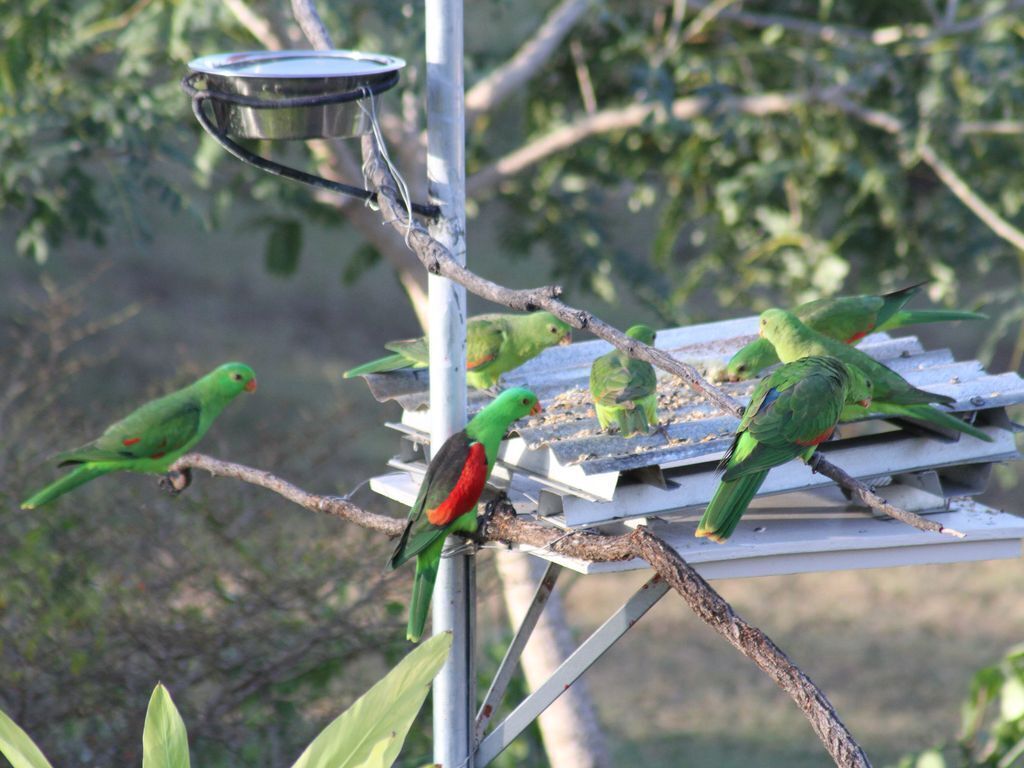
915 316
69 482
632 421
926 415
422 590
383 365
727 506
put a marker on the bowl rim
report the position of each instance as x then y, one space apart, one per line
232 64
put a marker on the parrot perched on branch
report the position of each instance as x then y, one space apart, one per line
153 436
791 412
893 395
624 389
495 344
450 490
848 319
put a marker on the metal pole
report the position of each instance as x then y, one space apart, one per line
454 601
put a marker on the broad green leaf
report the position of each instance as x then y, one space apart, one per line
1011 699
370 733
932 758
164 740
17 747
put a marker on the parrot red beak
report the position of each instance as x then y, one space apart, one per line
536 409
566 340
250 385
866 402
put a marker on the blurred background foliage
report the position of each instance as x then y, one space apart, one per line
274 620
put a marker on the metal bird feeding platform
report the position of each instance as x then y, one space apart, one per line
559 468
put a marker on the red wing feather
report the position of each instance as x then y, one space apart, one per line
467 490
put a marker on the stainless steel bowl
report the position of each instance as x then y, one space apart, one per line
276 75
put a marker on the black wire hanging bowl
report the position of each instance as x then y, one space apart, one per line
280 95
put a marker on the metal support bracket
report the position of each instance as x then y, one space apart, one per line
592 649
510 662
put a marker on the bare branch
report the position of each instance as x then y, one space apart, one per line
583 79
623 118
258 26
530 57
335 506
706 15
991 128
500 524
988 215
946 174
311 24
714 611
820 464
437 260
841 33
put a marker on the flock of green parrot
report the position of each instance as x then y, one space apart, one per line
823 380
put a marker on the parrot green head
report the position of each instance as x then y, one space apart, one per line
490 425
750 360
229 380
777 325
861 388
512 404
643 333
549 329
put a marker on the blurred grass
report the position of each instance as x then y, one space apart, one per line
892 648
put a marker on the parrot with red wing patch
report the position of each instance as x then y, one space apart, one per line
791 412
450 490
155 435
847 319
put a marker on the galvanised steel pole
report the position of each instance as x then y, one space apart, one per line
454 601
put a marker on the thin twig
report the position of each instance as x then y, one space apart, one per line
821 465
527 61
335 506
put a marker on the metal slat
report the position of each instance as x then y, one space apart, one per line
570 670
804 543
510 662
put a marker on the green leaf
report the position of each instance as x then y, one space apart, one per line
370 733
1011 699
17 747
931 758
164 740
283 246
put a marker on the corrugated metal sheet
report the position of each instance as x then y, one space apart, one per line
584 467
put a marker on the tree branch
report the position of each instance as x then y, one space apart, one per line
336 506
946 174
437 260
631 116
257 26
530 57
500 524
859 490
842 33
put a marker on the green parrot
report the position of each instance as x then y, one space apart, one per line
791 412
153 436
893 395
451 487
625 389
848 319
495 343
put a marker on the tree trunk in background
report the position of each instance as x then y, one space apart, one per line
572 735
